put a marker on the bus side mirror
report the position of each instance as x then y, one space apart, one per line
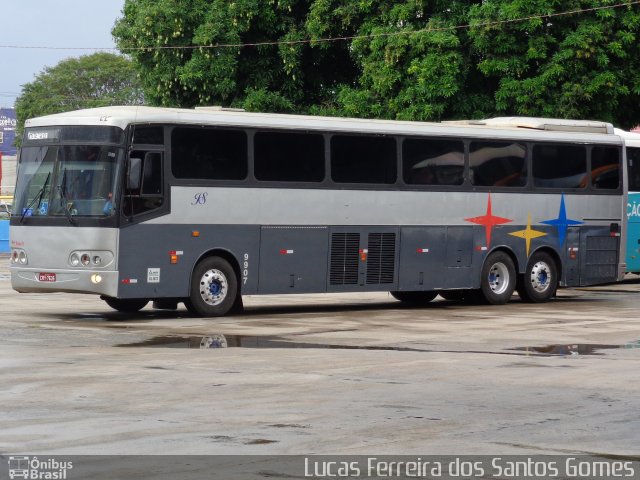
134 174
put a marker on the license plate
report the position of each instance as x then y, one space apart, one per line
46 277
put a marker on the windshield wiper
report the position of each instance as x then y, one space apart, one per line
38 197
65 198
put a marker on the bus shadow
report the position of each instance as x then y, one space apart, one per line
117 319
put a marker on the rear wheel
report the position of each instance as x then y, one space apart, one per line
128 305
498 278
540 281
214 288
416 298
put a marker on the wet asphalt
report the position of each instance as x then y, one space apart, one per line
322 374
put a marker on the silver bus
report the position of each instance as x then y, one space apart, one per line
202 206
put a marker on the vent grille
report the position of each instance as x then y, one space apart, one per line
381 258
344 258
601 258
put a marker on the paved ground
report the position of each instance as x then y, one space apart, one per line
375 377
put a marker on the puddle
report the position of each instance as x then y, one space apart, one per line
247 341
575 349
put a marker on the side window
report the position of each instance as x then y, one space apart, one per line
289 157
152 175
208 153
605 168
363 159
498 164
433 162
633 158
144 190
559 166
148 135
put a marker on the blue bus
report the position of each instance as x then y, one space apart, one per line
632 145
200 207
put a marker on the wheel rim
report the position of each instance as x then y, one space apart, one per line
498 278
213 287
540 276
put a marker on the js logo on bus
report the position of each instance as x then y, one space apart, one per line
199 198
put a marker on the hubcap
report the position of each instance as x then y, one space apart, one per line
540 276
498 278
213 287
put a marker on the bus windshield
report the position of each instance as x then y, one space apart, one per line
68 180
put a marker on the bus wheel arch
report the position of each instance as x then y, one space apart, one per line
125 305
414 297
541 277
498 276
214 286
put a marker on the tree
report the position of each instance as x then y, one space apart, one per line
407 59
584 65
88 81
285 77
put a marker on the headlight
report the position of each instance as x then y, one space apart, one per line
74 260
19 257
90 258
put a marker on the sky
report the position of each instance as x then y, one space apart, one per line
45 23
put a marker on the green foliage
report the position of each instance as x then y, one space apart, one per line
86 82
285 77
574 66
406 59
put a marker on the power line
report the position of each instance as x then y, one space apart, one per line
335 39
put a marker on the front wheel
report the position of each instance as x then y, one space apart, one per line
415 298
540 281
214 288
127 305
498 280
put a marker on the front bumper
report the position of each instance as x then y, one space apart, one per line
27 280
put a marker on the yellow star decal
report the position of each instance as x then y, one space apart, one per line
528 234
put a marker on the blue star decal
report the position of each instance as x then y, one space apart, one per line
562 222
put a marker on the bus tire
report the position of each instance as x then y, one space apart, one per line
415 298
498 278
214 288
127 305
540 280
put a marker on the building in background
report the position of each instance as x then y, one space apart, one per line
7 131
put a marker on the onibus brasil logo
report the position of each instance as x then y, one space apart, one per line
35 469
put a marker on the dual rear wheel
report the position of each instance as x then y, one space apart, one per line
537 284
499 280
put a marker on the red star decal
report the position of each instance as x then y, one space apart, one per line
488 220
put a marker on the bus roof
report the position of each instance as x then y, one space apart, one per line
503 127
631 139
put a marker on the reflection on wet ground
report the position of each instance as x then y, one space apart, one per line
576 349
219 340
